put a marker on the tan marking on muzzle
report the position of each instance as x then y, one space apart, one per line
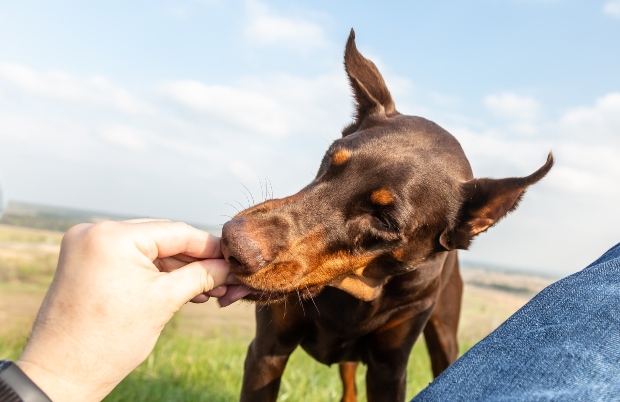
341 157
287 271
382 197
399 253
311 267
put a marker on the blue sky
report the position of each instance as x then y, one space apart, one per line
169 108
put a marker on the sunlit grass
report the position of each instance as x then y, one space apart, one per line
191 368
210 368
188 367
28 257
25 235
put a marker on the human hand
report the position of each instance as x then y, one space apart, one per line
117 284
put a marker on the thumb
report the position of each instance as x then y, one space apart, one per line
187 282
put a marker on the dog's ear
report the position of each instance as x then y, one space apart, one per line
371 94
485 202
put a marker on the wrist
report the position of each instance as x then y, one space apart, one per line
15 385
56 385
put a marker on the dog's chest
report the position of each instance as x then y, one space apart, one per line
342 328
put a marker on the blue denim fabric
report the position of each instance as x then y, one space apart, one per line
564 345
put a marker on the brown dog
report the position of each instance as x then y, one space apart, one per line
362 260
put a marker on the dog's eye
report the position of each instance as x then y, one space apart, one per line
374 229
383 220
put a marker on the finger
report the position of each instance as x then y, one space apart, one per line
217 292
165 239
169 264
201 298
185 258
194 279
232 280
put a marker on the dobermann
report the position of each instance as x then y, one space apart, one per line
363 259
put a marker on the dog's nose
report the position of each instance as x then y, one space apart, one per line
240 249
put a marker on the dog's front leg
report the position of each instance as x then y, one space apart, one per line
390 346
276 338
262 374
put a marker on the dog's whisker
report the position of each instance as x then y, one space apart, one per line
233 207
253 203
260 184
226 216
268 188
312 299
246 198
327 138
301 302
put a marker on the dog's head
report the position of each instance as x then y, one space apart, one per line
391 193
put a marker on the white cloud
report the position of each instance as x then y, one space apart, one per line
577 181
566 219
239 107
242 170
512 106
278 126
127 137
62 137
584 140
62 86
612 8
266 28
601 121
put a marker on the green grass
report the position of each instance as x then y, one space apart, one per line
23 235
192 368
185 367
209 368
35 270
28 257
12 344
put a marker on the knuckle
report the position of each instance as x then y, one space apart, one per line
75 232
102 229
100 233
183 225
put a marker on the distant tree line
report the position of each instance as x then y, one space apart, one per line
38 221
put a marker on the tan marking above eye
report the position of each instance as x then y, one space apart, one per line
382 197
341 157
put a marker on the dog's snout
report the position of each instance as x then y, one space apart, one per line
249 244
240 249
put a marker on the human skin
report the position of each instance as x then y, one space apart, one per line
116 286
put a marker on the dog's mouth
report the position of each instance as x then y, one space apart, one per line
237 292
263 290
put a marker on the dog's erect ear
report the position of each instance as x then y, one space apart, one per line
485 202
371 94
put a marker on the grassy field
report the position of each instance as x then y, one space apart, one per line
200 355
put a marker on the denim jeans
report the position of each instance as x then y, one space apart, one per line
564 345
